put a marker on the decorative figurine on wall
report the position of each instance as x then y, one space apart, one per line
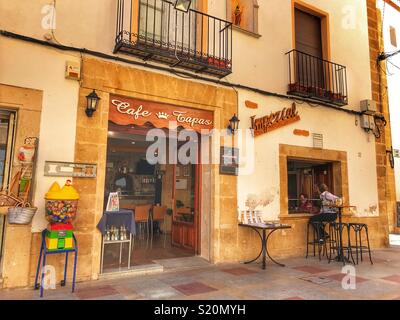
238 15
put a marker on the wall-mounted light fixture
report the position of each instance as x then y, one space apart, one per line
391 157
183 5
233 124
92 102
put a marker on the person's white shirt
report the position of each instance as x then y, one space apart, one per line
326 195
327 200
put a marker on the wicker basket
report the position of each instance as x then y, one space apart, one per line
21 215
8 199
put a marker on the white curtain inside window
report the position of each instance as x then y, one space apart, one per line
168 27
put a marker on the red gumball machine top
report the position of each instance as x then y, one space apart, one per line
61 203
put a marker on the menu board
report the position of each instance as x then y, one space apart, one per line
113 202
250 217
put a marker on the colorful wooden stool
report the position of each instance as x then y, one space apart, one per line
45 250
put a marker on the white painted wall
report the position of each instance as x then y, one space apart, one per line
260 63
392 19
32 66
340 133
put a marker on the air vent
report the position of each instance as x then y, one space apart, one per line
318 140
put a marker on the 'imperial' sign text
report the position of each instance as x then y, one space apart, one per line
275 120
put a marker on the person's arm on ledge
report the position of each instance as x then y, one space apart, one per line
330 197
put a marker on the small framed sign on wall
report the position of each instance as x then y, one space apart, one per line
229 161
70 169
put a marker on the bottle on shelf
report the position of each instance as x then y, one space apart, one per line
108 234
117 234
125 233
121 233
112 233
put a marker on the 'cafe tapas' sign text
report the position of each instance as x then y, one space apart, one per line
275 120
126 111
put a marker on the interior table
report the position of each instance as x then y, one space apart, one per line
117 219
262 229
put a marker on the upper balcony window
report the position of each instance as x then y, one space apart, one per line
243 14
311 73
155 30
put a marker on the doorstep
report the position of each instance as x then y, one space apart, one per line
394 240
133 271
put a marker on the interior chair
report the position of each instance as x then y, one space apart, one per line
142 218
159 215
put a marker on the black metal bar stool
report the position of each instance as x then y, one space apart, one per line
318 240
358 228
334 239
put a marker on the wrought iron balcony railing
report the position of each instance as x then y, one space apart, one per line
154 29
317 79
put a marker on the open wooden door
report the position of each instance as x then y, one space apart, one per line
185 222
308 35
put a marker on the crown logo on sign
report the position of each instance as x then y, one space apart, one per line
162 115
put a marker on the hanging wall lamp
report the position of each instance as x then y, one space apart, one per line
92 102
233 124
183 5
391 157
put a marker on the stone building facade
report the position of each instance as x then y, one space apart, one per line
33 85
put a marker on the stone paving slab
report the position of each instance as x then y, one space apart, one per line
302 279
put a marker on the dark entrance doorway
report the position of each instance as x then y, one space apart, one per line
7 128
164 197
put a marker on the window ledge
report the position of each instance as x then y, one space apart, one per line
305 216
247 32
295 216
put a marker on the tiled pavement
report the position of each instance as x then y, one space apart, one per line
301 279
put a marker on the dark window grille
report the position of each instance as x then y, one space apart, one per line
317 79
193 40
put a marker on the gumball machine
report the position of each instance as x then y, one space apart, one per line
61 208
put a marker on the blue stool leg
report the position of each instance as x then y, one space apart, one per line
63 283
38 268
74 275
42 279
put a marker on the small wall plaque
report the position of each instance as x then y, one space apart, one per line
70 169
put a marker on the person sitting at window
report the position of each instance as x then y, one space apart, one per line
305 205
327 213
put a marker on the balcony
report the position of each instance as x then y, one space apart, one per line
155 30
317 79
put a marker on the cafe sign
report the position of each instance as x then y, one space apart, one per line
274 120
130 111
